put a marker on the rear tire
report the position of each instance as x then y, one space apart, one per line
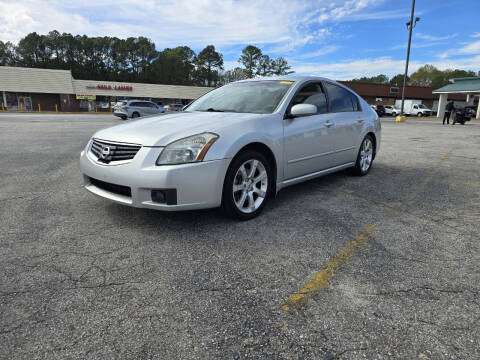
365 157
247 185
135 115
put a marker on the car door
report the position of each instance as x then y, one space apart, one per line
348 121
307 140
144 107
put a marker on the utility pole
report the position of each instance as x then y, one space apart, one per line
410 25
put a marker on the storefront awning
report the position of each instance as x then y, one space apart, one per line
461 85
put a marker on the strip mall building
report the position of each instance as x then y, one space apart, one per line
30 89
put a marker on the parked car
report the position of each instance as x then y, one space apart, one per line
136 108
391 110
379 109
235 147
174 107
414 108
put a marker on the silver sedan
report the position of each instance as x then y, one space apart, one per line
234 147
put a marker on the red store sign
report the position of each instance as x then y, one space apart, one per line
115 87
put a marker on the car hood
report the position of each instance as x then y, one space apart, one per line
160 130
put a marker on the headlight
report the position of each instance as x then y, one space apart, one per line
187 150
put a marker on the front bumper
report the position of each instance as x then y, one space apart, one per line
198 185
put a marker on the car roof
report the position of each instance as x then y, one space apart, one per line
287 78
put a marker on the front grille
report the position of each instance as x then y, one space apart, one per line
106 151
113 188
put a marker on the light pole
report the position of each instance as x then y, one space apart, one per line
410 25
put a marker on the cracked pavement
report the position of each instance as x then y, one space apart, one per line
81 277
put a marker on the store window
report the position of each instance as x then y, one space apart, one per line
25 102
12 101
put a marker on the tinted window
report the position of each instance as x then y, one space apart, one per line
339 99
356 104
136 104
311 94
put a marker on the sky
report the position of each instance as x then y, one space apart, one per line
339 39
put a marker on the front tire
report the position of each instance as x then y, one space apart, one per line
247 185
364 157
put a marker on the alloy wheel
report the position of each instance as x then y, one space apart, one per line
250 186
366 154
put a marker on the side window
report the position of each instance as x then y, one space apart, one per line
311 94
355 102
135 104
339 99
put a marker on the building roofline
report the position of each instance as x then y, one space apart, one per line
466 78
21 68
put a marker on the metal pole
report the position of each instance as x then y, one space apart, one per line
408 56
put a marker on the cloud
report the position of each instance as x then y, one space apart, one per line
435 38
378 15
285 25
356 68
414 46
346 10
320 52
469 49
476 35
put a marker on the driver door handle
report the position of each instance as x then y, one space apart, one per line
329 123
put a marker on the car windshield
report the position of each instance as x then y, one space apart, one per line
421 106
258 97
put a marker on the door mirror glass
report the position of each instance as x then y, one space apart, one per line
303 110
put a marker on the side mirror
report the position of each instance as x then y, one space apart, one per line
303 110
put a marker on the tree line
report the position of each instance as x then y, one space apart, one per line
135 59
427 75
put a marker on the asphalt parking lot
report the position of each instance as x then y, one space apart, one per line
382 266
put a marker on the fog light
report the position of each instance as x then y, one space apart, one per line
159 196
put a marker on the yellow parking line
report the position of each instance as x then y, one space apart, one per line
321 279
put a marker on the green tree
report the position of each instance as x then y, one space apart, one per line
208 64
7 54
249 59
280 67
378 79
264 65
233 75
443 78
424 75
397 80
31 51
174 66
